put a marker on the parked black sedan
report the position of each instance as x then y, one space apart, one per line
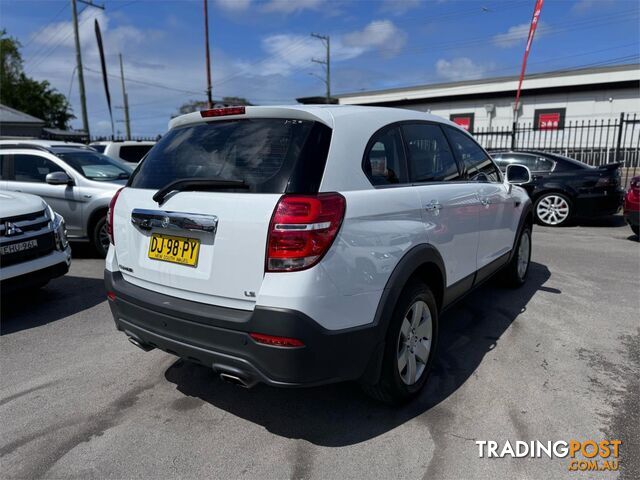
562 188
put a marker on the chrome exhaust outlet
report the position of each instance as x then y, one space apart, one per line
140 345
226 377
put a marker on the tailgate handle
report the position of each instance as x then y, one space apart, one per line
195 222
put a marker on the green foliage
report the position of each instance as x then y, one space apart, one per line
26 94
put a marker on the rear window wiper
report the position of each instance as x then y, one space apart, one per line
198 184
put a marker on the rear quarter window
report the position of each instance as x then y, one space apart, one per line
269 155
133 153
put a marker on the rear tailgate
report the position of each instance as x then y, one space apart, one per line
163 247
230 261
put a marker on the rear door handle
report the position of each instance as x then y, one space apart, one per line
195 222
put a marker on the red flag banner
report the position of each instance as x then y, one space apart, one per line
532 32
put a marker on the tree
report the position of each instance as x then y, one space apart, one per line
26 94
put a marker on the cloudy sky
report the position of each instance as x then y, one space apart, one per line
262 50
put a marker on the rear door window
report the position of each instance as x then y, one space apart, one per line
479 166
430 157
271 155
384 162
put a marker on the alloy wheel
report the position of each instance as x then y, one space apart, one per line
103 237
524 254
552 209
414 342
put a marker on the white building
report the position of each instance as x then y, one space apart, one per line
548 101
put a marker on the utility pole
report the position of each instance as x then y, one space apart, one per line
83 97
326 40
206 47
125 101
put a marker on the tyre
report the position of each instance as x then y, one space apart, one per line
99 237
553 209
515 273
636 230
409 346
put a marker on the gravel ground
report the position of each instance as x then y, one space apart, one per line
558 359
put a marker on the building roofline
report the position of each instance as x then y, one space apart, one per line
493 80
26 118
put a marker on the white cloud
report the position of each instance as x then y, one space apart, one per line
292 6
582 6
461 68
380 34
233 6
517 35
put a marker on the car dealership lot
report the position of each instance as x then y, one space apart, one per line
558 359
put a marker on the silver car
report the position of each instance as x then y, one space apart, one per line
78 183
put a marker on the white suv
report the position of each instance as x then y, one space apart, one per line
130 151
305 245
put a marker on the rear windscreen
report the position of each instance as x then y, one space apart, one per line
133 153
269 155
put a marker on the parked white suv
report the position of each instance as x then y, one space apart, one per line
33 242
310 244
130 151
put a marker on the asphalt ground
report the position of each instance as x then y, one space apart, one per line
558 359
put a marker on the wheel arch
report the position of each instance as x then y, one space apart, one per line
423 263
95 215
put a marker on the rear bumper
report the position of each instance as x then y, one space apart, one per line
219 338
632 217
595 205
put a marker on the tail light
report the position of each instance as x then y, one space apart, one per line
276 341
112 207
302 229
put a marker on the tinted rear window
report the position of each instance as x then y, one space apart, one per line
269 155
133 153
98 148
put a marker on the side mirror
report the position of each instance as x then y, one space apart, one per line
518 174
58 178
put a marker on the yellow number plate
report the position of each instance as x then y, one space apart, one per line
168 248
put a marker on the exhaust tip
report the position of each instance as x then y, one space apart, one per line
226 377
140 345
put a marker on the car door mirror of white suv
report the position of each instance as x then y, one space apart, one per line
518 174
58 178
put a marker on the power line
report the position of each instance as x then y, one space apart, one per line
48 24
148 84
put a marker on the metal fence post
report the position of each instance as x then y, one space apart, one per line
513 136
619 142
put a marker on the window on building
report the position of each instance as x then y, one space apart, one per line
549 118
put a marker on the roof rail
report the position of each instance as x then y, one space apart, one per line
30 146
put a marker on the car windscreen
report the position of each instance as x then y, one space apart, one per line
270 155
96 166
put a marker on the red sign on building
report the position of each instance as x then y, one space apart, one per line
465 120
549 121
